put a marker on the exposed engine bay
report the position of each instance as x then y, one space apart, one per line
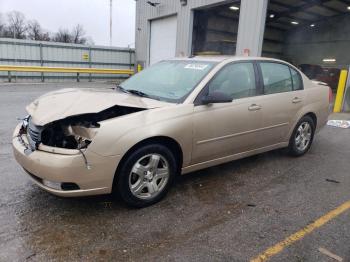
75 132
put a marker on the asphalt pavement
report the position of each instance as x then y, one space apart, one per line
231 212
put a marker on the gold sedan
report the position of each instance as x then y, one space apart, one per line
173 118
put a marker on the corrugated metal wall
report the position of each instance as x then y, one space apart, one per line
250 35
27 52
251 27
145 13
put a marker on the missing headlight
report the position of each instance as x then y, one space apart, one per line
77 132
67 136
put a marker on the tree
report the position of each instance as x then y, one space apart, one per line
63 36
46 36
89 41
78 34
35 32
17 27
2 25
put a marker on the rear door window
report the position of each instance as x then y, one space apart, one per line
276 78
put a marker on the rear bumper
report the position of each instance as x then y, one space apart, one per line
66 168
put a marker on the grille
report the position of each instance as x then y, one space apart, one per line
34 134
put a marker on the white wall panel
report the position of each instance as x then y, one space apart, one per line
163 39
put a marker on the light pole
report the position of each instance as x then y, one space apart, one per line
110 21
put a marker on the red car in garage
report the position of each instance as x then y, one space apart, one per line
329 75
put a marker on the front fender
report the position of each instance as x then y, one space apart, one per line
116 136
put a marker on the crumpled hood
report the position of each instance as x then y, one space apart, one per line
67 102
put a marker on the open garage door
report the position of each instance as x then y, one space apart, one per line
215 29
314 35
163 39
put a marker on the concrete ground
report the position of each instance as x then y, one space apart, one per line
231 212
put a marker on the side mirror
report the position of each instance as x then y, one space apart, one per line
216 97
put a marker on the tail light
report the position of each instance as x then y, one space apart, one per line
330 96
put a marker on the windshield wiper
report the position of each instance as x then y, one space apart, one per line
135 92
139 93
122 89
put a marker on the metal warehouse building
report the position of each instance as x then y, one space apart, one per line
311 34
168 28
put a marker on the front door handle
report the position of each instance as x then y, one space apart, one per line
254 107
296 100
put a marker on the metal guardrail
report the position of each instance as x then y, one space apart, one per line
77 70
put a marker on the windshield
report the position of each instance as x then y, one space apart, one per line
170 81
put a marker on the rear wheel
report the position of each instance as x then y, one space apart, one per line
302 137
146 175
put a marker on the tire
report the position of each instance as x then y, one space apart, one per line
146 175
302 137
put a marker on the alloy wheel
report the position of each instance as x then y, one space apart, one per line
149 176
303 136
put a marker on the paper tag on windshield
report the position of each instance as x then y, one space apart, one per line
196 66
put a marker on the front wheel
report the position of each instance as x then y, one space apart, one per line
146 175
302 137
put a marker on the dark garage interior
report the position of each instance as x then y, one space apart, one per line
313 35
215 29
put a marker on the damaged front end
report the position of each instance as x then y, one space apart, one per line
72 133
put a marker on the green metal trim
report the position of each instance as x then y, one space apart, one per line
61 62
67 77
126 50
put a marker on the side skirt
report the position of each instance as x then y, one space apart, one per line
229 158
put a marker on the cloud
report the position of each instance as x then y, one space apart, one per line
92 14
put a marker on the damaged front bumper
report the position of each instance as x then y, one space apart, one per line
64 172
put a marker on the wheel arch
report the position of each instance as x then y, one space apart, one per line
291 145
313 117
169 142
297 119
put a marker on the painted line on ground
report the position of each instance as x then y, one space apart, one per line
278 248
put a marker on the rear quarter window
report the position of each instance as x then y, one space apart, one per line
297 80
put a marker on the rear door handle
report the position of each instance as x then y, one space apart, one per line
254 107
296 100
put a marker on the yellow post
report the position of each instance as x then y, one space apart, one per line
139 68
340 92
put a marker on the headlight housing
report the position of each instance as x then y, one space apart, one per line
73 132
69 136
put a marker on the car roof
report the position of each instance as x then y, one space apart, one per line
222 58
